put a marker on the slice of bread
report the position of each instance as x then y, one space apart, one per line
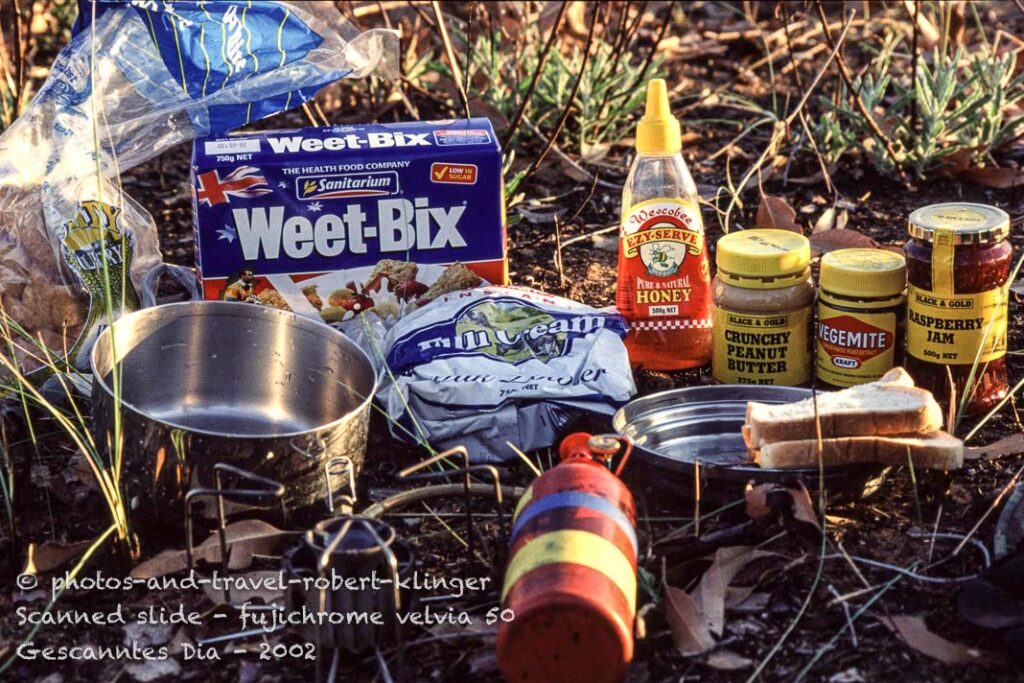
938 451
889 406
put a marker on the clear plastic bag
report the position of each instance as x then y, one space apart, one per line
138 78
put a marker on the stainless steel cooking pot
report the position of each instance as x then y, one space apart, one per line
210 382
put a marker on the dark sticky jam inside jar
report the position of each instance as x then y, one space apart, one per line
958 263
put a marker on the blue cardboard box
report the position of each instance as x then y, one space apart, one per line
273 209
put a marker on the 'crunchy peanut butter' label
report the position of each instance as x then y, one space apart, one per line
853 348
762 349
950 329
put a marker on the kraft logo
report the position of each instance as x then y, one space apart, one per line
345 185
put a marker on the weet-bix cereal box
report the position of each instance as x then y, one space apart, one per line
311 219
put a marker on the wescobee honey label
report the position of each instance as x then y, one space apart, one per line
762 349
661 242
274 208
851 348
951 328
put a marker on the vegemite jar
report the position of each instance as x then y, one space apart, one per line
958 264
763 309
862 297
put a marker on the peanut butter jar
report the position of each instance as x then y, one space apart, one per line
763 309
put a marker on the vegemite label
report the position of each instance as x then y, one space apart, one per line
956 329
853 349
664 277
762 349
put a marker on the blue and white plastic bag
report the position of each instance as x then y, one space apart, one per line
137 78
486 366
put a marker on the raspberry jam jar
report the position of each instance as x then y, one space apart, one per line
958 266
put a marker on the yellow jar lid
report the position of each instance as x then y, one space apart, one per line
863 273
763 259
971 223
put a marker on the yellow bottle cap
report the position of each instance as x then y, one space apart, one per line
863 273
658 131
763 259
971 223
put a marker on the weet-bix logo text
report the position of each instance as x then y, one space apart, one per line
292 144
335 186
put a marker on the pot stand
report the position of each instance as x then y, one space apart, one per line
413 473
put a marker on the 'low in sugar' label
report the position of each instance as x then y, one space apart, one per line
762 349
950 329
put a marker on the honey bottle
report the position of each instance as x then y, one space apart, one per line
664 280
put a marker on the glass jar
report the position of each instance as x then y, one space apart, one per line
763 309
862 316
958 266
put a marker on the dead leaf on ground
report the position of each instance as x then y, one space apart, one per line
913 631
1008 445
803 508
1018 287
757 500
831 220
590 154
478 107
775 212
757 505
845 238
684 617
826 221
245 538
996 178
711 591
696 617
149 670
743 600
727 660
50 556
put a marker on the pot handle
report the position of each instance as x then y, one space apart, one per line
314 447
183 276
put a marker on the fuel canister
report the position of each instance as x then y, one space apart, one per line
571 578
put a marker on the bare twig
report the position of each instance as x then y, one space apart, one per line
542 60
782 126
558 254
855 92
586 200
572 96
449 52
913 64
20 50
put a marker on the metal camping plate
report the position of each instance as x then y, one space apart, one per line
674 430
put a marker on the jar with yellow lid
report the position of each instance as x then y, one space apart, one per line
958 267
862 314
763 309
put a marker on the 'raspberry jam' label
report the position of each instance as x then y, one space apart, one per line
956 329
664 278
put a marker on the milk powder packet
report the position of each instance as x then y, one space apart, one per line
491 365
